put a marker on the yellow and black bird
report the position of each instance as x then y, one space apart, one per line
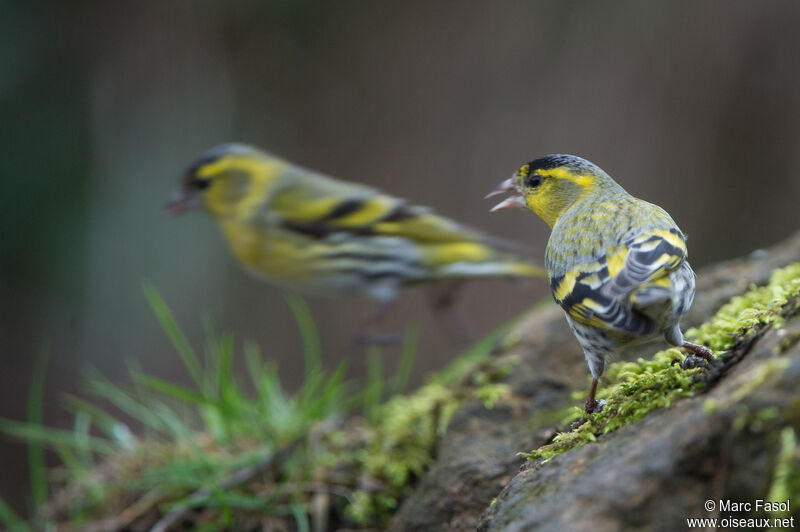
617 264
308 232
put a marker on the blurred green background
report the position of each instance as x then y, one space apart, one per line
692 105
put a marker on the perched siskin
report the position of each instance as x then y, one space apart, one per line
309 232
617 264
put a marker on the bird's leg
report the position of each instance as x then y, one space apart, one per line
443 296
364 338
702 357
442 300
593 406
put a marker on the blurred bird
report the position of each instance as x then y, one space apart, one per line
314 234
617 264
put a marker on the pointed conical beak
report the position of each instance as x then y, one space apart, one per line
502 188
515 201
181 201
512 202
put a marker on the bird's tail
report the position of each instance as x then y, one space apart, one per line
464 260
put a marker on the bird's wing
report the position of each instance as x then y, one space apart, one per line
596 293
580 293
645 258
319 206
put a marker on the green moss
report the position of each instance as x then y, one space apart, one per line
759 306
787 341
485 380
392 451
633 389
786 478
489 394
750 382
400 446
547 418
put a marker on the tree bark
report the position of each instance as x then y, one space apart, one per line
649 475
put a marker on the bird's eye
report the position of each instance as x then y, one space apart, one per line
201 184
533 181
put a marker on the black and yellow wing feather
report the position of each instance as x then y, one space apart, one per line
317 205
612 292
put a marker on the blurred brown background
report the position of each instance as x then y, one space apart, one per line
692 105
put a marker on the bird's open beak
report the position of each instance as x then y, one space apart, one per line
182 202
515 201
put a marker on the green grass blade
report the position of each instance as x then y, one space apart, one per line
229 389
308 333
174 332
112 427
11 521
128 403
49 437
71 461
83 424
175 391
300 517
262 376
374 386
328 397
38 474
333 393
178 423
255 366
210 359
406 363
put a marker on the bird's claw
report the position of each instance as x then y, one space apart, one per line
701 357
694 361
592 407
578 423
595 407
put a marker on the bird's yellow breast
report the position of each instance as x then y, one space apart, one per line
268 254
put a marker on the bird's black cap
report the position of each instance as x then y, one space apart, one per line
558 160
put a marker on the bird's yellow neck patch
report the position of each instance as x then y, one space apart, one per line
559 190
547 209
240 184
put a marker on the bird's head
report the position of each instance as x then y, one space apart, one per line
550 185
224 179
